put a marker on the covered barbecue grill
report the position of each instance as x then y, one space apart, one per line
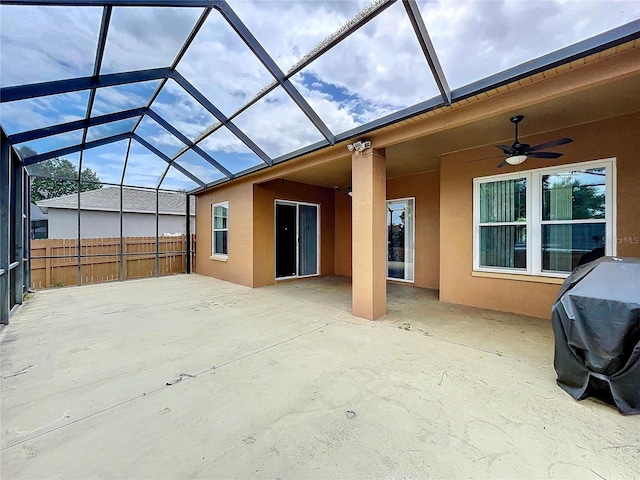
596 324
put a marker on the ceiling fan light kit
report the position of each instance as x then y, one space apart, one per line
516 159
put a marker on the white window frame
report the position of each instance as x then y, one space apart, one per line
214 255
534 220
413 237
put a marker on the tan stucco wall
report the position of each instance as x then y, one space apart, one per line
369 234
343 234
425 187
239 267
616 137
264 196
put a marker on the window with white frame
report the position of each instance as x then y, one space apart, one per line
220 229
543 221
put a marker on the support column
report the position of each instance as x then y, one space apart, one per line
27 231
188 236
18 225
5 227
369 238
157 264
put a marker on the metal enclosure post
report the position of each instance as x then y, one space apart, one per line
5 187
27 231
79 241
157 230
188 236
17 199
122 270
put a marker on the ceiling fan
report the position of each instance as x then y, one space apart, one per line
347 190
519 152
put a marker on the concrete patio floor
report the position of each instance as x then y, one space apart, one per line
192 377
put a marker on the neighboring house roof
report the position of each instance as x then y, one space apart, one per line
35 213
107 199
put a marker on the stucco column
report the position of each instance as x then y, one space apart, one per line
369 233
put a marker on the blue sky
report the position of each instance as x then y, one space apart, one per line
377 70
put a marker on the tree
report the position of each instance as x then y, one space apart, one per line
584 200
43 186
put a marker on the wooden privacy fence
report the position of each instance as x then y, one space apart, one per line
54 262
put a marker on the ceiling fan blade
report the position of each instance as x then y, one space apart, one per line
507 149
503 164
554 143
544 154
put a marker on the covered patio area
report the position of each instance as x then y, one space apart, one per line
192 377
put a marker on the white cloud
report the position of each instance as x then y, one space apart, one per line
47 43
55 142
199 167
175 180
380 63
43 111
475 39
222 140
182 111
143 167
123 97
160 138
378 66
222 67
288 30
107 161
277 125
376 70
142 37
339 117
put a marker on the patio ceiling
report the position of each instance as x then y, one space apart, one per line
189 94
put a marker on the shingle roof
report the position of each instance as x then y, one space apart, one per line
133 200
35 213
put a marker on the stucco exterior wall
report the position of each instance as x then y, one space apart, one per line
425 188
343 234
239 266
609 138
63 223
264 197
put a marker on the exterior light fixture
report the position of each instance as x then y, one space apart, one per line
516 159
359 146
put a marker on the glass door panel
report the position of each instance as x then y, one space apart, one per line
308 240
297 239
285 240
400 239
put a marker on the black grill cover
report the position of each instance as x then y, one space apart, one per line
596 325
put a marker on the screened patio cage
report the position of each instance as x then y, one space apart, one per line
184 95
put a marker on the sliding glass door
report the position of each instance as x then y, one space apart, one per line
307 240
400 239
297 239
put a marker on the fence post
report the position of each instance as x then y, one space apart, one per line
47 265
